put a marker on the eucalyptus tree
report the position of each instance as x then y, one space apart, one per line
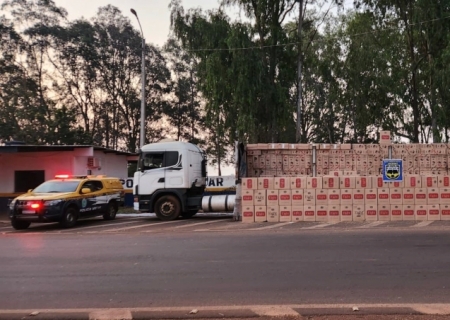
183 108
119 70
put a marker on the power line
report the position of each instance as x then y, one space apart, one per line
296 42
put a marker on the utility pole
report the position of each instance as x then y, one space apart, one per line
142 132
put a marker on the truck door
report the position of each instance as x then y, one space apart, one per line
152 178
174 171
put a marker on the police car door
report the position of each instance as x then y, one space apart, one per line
89 203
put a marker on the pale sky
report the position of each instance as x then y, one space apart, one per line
153 14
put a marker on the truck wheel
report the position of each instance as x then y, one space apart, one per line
19 225
111 211
189 214
167 208
69 218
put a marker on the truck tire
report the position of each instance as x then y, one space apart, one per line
69 218
167 208
189 214
19 225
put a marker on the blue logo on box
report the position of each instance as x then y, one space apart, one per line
392 170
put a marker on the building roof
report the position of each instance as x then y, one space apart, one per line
52 148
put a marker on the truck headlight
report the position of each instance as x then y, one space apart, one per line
51 203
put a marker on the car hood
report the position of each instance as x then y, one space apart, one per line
44 196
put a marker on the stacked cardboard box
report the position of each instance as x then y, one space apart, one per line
345 198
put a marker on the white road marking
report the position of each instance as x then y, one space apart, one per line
430 308
111 314
275 311
199 223
322 225
422 224
271 226
372 224
143 226
102 226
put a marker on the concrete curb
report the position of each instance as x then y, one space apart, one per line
227 312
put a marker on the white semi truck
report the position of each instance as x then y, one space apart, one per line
170 179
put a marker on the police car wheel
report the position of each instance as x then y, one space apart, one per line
167 208
189 214
69 218
111 211
19 225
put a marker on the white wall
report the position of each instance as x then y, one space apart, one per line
54 163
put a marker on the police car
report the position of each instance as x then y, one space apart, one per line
66 199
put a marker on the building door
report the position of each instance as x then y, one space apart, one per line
25 180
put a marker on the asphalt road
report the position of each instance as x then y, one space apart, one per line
174 269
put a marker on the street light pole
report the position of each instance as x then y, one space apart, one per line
142 132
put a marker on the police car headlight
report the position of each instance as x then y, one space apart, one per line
12 204
51 203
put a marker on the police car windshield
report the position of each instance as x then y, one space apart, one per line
57 187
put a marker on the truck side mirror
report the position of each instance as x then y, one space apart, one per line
141 165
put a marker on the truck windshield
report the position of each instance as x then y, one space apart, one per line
57 187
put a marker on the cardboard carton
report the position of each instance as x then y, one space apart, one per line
249 183
396 184
282 183
248 214
260 197
429 181
298 213
330 182
363 183
383 196
334 213
284 197
272 198
371 212
420 196
298 182
297 197
445 211
359 212
408 196
384 212
444 181
321 213
273 213
346 196
266 183
260 213
444 195
371 196
358 196
385 137
377 182
309 197
412 181
408 212
348 182
247 197
334 197
321 197
310 213
433 196
421 212
434 212
285 213
314 182
396 212
346 212
396 196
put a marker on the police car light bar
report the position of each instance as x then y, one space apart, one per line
62 176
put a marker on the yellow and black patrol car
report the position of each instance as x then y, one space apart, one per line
66 199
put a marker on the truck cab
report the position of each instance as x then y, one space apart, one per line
170 179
